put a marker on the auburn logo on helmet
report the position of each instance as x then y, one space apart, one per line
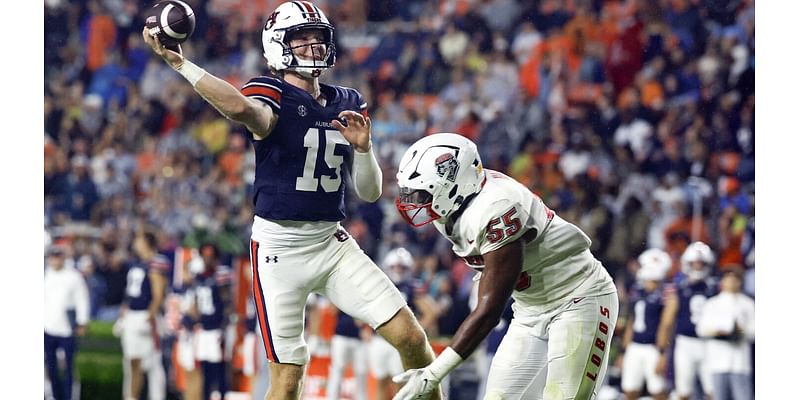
271 20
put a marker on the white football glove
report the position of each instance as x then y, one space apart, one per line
419 384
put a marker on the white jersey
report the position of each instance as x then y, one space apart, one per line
557 263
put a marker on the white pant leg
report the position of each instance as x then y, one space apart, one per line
481 358
632 368
359 287
156 378
689 362
138 340
520 360
284 280
579 343
360 369
209 345
341 357
640 367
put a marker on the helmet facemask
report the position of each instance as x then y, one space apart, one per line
314 67
416 206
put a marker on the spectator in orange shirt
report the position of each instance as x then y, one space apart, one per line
102 35
680 233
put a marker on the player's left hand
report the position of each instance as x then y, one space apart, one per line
80 330
358 129
420 384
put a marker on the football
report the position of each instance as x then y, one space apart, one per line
172 21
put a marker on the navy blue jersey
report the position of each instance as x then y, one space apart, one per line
646 308
346 326
300 166
208 295
138 294
691 298
407 289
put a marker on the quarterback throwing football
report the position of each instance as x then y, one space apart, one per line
566 305
306 136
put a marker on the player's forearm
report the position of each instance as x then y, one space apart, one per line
223 96
226 99
628 337
475 328
367 176
155 304
664 336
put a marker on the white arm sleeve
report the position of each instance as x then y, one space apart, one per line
82 305
367 176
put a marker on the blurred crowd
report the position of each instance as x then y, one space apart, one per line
633 119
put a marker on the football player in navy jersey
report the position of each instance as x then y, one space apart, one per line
141 315
644 361
682 311
212 306
307 136
384 361
347 348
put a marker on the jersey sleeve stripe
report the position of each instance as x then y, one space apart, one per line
275 106
263 83
262 91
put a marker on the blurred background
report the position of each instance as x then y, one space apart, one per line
632 119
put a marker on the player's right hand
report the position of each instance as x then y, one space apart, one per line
418 384
661 365
173 58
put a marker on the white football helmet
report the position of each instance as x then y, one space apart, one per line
398 264
654 264
398 256
289 18
697 251
436 175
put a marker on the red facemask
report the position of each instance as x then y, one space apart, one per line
416 207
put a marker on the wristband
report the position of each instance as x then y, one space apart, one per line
191 72
446 362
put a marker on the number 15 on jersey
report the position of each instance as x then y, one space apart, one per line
332 181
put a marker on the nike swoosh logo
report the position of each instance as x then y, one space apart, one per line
470 241
576 301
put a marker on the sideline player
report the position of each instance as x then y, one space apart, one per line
682 311
384 360
140 318
645 359
212 307
565 305
306 136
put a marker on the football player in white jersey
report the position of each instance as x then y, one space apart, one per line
565 305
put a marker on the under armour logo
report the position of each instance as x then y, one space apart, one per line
302 111
341 235
274 259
